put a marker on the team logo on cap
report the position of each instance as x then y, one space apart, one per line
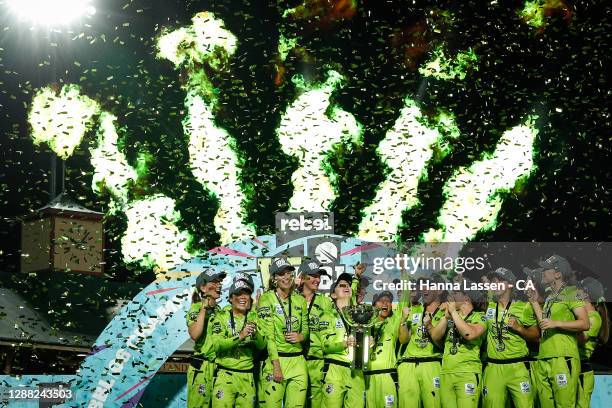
313 265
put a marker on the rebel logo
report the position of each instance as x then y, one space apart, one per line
291 225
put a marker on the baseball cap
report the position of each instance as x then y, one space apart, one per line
347 277
239 286
208 275
557 263
380 295
503 274
593 288
279 265
244 277
312 268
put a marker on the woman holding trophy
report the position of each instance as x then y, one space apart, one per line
343 383
462 329
283 321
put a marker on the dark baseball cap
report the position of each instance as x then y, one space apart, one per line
244 277
209 275
380 295
280 265
559 264
312 268
347 277
593 288
240 286
503 274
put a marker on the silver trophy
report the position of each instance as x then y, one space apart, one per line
360 318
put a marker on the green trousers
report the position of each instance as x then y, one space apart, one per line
534 384
315 377
199 385
460 390
343 389
381 391
586 384
507 381
557 380
289 393
233 389
419 384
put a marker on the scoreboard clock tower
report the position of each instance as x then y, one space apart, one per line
63 236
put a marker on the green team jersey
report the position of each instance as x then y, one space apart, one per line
203 345
512 345
587 349
556 342
274 315
333 331
317 306
231 352
383 336
420 344
467 356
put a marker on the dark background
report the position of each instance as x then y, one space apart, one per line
557 71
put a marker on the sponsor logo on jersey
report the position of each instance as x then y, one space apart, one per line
269 377
219 394
202 389
339 324
416 318
193 315
525 387
436 382
329 388
561 380
490 313
470 389
389 400
279 310
485 390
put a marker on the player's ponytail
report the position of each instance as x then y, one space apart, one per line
604 333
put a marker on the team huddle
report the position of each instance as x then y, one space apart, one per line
293 346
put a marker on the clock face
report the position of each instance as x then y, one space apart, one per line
78 245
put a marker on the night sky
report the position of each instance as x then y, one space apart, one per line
556 70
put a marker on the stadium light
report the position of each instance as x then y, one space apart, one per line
57 12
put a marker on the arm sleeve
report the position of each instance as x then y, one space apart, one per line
266 325
219 336
354 290
595 321
329 339
528 319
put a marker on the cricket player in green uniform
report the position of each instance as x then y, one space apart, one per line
283 321
342 387
510 324
234 338
203 309
381 372
591 292
462 329
561 318
310 274
420 363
